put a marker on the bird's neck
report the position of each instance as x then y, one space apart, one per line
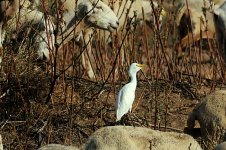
133 79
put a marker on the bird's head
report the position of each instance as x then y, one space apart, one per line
135 67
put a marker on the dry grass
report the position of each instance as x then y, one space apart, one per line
49 103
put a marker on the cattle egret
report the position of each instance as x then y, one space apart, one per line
126 95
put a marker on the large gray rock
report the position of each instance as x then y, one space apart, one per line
221 146
132 138
138 138
211 115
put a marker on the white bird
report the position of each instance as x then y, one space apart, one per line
126 95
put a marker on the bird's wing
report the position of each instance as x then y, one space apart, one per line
120 105
124 101
118 101
126 96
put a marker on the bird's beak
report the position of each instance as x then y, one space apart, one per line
141 65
